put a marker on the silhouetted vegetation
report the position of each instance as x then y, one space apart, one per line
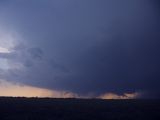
77 109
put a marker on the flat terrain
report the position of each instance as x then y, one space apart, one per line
78 109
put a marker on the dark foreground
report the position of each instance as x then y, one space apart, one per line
78 109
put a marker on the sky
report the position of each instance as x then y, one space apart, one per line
80 48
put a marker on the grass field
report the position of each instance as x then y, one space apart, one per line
78 109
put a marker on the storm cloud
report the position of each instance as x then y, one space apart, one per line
88 47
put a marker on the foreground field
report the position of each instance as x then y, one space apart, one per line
78 109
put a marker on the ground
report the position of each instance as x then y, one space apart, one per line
78 109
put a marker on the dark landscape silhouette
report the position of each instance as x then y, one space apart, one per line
21 108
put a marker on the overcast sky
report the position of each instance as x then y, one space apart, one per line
87 47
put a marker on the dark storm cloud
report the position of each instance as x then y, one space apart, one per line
35 53
87 46
25 56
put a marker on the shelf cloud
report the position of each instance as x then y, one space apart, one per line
106 48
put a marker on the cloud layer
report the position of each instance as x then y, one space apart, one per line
92 47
